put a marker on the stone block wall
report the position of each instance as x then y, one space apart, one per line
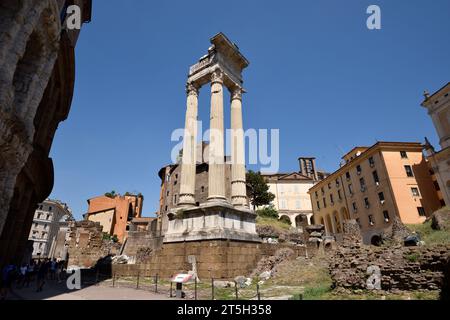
219 259
86 245
402 268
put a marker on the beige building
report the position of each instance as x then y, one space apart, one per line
46 226
372 186
291 192
438 106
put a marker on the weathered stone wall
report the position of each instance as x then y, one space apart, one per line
141 239
402 268
218 259
86 245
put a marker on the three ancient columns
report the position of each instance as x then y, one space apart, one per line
216 147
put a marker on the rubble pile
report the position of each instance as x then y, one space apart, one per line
401 268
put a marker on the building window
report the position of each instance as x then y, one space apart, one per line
347 175
350 188
415 192
355 207
371 220
362 182
386 216
317 195
298 204
50 208
358 169
324 202
168 192
409 171
323 190
367 203
371 162
203 189
381 197
339 195
359 222
329 186
331 199
283 204
318 205
337 183
421 211
174 199
403 154
376 179
175 182
165 209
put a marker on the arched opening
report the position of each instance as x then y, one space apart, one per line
300 221
337 222
25 74
130 213
286 219
312 220
376 240
329 225
345 214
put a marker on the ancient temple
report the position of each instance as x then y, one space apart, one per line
217 218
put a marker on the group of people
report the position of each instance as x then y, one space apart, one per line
39 271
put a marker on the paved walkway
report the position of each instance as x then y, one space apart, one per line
54 291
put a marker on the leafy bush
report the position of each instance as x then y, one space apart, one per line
268 212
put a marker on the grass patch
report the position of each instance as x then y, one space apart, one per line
273 222
430 236
413 257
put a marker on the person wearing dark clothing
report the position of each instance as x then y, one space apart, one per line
6 280
42 274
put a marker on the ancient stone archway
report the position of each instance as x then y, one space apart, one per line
30 43
329 225
376 240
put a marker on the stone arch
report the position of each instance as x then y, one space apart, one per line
329 225
30 43
345 214
337 222
301 221
286 217
376 240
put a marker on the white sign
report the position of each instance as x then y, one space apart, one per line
182 278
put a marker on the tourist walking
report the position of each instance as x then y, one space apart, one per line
42 275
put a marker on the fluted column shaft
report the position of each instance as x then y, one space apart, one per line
238 184
216 177
189 160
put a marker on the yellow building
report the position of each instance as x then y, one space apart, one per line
372 186
438 107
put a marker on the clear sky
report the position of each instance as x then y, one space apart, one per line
316 73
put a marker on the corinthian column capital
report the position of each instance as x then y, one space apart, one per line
192 89
236 93
217 76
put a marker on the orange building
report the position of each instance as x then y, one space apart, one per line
115 213
374 184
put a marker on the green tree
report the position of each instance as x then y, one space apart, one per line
258 190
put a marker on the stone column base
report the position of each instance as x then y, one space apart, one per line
212 221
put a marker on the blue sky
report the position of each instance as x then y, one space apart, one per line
316 73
